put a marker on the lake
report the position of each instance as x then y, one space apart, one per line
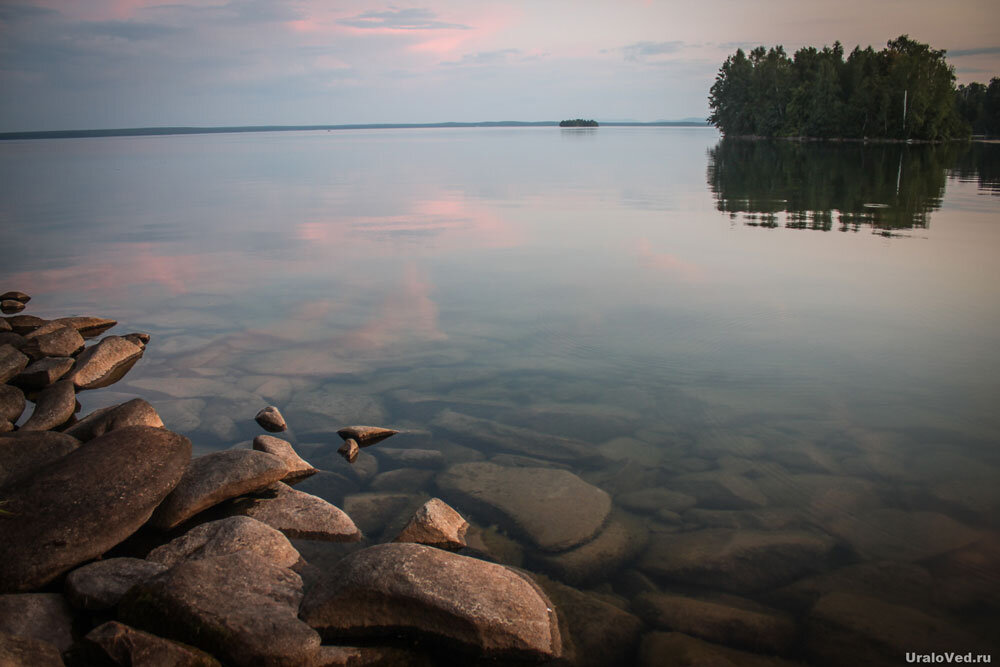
780 361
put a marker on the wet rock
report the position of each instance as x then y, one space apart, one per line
104 363
430 459
63 342
43 616
238 607
722 619
15 295
436 524
136 412
401 480
673 648
349 450
740 561
42 373
554 509
365 435
891 534
9 306
88 327
721 490
24 453
416 589
18 651
270 419
297 468
227 536
649 501
216 477
622 539
124 646
12 362
375 512
298 515
22 324
53 407
102 584
330 486
86 502
11 403
890 581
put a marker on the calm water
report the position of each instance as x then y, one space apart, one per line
818 322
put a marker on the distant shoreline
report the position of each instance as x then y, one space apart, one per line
159 131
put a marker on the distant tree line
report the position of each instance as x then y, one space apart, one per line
578 122
905 91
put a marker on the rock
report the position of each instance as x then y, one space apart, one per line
12 362
11 403
238 607
100 585
53 407
622 539
5 426
330 486
822 495
42 616
720 490
554 509
297 468
967 578
722 619
436 524
521 461
221 426
846 629
365 435
431 459
86 502
778 518
43 372
182 414
270 419
740 561
63 342
227 536
649 501
891 534
349 450
22 324
23 453
369 656
216 477
673 648
104 363
119 644
4 326
18 651
15 340
139 339
15 295
415 589
136 412
890 581
46 328
88 327
298 515
374 512
401 480
9 306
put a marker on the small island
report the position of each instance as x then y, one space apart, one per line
578 122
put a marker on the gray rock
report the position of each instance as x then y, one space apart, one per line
23 324
740 561
270 419
299 515
227 536
652 500
431 459
88 327
416 589
11 403
554 509
86 502
124 646
297 468
53 407
18 651
401 480
349 450
15 295
673 648
63 342
43 616
9 306
365 435
104 363
100 585
623 538
216 477
42 373
891 534
136 412
436 524
23 453
238 607
12 362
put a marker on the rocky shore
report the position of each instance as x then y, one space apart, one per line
120 548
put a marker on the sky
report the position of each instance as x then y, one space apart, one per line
82 64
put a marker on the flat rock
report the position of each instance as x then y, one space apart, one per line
270 419
419 590
224 537
18 651
554 509
124 646
436 524
298 469
401 480
100 585
53 407
88 327
216 477
86 502
23 324
298 515
43 616
673 648
432 459
63 342
104 363
11 403
23 453
652 500
12 362
15 295
891 534
622 539
239 608
740 561
136 412
8 306
366 435
42 373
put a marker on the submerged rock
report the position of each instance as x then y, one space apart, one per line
298 469
402 480
365 435
436 524
270 419
43 616
104 363
620 541
374 512
124 646
652 500
24 453
12 362
227 536
136 412
53 407
673 648
298 515
102 584
431 459
891 534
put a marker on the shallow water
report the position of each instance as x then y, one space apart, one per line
799 337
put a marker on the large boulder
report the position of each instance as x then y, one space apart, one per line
104 363
136 412
403 588
23 453
44 616
100 585
298 515
553 509
121 645
86 502
53 407
227 536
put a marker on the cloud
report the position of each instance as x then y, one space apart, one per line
12 13
400 19
642 50
982 51
484 57
130 30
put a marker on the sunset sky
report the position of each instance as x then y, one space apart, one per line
127 63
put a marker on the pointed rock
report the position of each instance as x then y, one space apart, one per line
136 412
88 327
270 419
299 515
23 453
53 407
124 646
436 524
42 373
11 403
100 585
227 536
15 295
297 468
9 306
349 450
366 435
104 363
63 342
12 362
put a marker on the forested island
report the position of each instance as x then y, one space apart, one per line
906 91
578 122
